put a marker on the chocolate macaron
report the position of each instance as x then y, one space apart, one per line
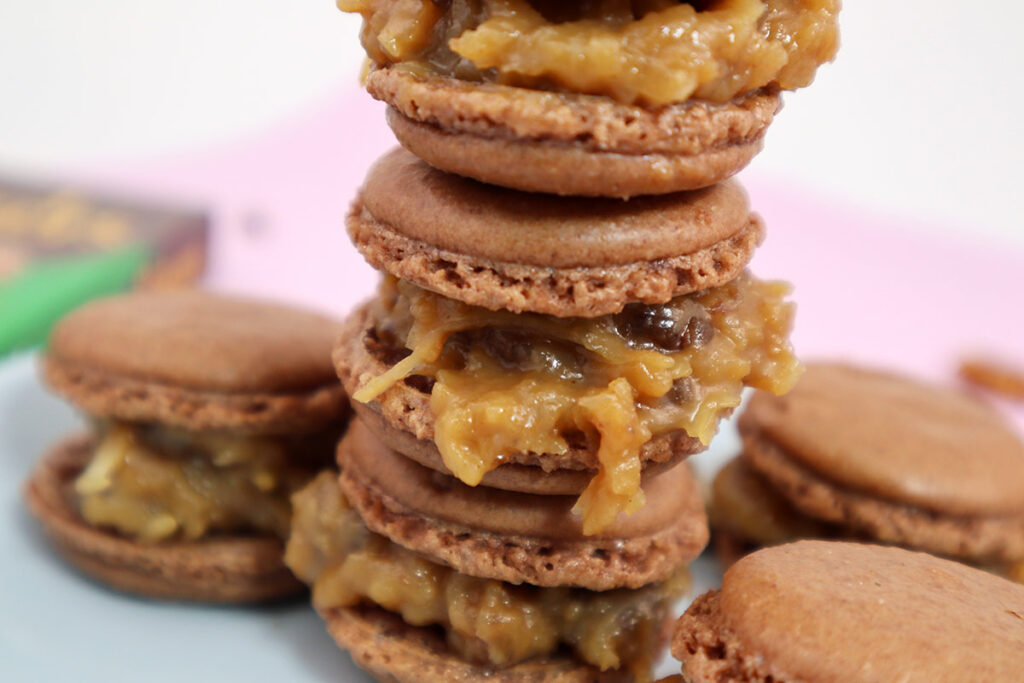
206 412
573 336
853 452
831 611
396 552
502 249
584 99
519 537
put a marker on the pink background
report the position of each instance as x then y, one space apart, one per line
869 288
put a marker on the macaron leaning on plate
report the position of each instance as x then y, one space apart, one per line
206 413
860 453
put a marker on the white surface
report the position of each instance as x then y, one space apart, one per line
106 79
919 116
56 625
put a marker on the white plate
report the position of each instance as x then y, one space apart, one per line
56 625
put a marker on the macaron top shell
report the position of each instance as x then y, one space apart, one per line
198 361
818 611
672 498
562 256
517 537
897 439
505 225
199 340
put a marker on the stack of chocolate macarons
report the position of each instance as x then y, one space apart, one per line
565 315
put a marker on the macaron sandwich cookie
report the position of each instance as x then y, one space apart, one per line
590 98
207 412
834 611
588 338
858 453
422 577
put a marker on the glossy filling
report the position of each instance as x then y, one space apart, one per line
484 621
744 505
502 383
652 52
157 484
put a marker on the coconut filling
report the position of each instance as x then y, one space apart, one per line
652 52
502 383
155 483
743 505
484 621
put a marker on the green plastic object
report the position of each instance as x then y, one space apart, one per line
35 298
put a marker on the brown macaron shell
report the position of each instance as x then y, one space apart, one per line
571 144
391 650
892 459
218 569
897 439
403 407
746 513
198 361
977 538
515 537
821 611
509 477
502 249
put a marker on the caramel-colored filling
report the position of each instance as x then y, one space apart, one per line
506 383
744 504
651 52
156 484
484 621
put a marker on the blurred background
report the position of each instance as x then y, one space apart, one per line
918 117
889 186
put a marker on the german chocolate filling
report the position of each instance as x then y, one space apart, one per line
155 483
484 621
652 52
503 383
